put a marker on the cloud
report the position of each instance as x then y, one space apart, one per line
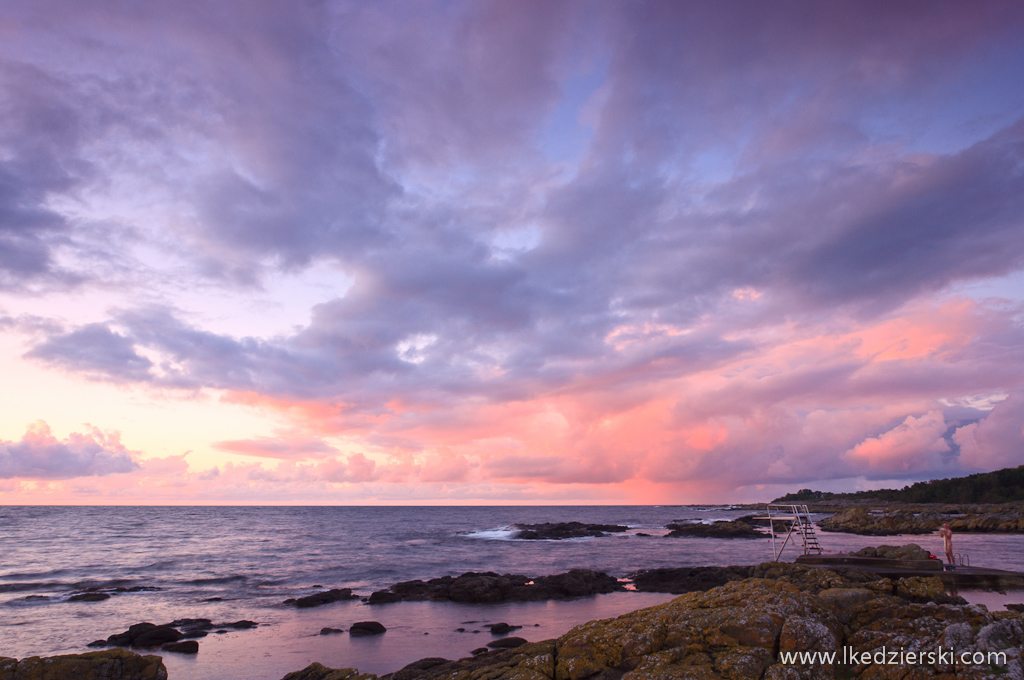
279 447
996 441
743 272
40 455
912 446
94 350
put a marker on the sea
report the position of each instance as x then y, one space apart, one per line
240 563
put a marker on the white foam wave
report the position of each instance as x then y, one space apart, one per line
496 534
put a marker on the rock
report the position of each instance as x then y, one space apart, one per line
320 599
550 531
98 643
384 597
719 529
331 631
501 628
363 628
315 671
490 587
184 647
573 583
479 650
155 636
910 551
844 601
1015 607
416 668
507 643
109 664
244 624
686 579
89 597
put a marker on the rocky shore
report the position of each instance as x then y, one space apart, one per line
891 521
737 623
747 628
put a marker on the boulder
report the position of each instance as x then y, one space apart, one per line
331 631
109 664
155 636
364 628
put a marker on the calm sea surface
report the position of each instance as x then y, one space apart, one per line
254 558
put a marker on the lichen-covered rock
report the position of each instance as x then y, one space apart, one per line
110 664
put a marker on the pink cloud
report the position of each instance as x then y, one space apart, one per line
912 446
998 440
40 455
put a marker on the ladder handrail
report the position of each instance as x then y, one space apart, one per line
801 522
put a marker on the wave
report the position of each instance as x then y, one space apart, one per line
506 533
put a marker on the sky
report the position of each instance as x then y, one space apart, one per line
531 252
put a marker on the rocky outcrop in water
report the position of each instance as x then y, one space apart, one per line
748 629
109 664
720 529
322 598
551 531
489 587
168 636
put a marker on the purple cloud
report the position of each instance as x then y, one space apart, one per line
40 455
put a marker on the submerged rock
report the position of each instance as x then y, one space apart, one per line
110 664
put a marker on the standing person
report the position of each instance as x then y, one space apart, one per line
947 541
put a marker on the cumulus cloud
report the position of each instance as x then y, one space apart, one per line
996 441
911 446
40 455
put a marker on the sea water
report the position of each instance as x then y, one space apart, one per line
233 563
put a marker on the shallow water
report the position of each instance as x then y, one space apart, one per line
254 558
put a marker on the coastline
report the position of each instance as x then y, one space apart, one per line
738 630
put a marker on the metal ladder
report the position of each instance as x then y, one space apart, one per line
800 522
